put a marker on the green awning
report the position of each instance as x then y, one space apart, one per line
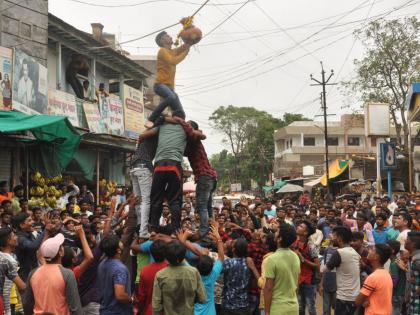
267 188
279 184
53 131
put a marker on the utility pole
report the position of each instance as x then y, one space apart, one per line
324 83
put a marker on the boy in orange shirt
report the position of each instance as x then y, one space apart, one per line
376 292
167 59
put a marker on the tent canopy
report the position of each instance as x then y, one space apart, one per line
55 132
289 188
336 169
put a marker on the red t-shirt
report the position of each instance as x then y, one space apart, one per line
76 271
144 291
306 272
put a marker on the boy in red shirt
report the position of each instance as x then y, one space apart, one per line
144 291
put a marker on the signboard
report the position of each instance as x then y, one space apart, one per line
112 113
29 85
133 111
388 156
236 187
93 118
377 122
63 104
6 56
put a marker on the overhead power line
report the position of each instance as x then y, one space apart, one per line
128 5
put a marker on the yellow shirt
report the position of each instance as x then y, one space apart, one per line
167 59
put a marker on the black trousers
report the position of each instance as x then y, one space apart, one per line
166 184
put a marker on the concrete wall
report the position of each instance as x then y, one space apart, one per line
24 25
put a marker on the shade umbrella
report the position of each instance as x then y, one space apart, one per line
188 187
289 188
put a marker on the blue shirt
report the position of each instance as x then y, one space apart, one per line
380 236
236 281
111 272
145 248
209 281
270 213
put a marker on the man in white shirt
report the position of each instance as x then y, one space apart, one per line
64 199
25 86
403 223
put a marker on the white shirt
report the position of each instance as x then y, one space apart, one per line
402 238
25 90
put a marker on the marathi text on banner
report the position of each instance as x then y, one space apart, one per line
112 114
133 111
63 104
6 56
29 84
93 118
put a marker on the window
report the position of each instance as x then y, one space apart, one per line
353 141
332 141
309 141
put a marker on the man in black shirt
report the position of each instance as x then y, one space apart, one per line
141 176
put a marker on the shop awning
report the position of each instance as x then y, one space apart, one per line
336 169
55 131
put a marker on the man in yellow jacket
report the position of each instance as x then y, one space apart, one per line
167 59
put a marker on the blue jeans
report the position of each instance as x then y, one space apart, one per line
169 98
306 297
328 302
205 188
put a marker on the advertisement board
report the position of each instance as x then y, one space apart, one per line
6 57
93 118
30 88
111 109
133 111
63 104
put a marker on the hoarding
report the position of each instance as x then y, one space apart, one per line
133 111
63 104
30 88
6 57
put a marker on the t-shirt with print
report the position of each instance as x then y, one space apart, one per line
111 272
283 267
8 283
347 262
7 270
378 288
209 282
237 277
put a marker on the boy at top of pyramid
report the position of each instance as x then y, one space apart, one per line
167 59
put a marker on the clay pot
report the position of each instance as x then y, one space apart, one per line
192 35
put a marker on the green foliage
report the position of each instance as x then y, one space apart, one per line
390 64
249 134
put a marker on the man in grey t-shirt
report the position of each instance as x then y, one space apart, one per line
347 263
167 174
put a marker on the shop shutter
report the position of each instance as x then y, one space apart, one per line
5 164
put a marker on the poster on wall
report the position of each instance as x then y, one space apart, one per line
93 118
112 113
6 56
63 104
133 111
30 86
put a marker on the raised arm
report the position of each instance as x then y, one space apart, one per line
165 55
87 252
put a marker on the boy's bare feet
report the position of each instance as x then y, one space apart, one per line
149 124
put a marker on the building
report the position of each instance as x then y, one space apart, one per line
302 143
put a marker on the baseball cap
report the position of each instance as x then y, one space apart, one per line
50 247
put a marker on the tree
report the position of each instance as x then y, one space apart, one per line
390 64
249 134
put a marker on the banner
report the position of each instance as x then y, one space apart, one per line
112 113
29 85
6 56
133 111
63 104
93 118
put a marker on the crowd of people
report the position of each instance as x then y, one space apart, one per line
259 257
156 251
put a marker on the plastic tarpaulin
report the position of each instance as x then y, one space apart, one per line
87 162
53 131
336 169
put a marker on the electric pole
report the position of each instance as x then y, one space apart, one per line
324 83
